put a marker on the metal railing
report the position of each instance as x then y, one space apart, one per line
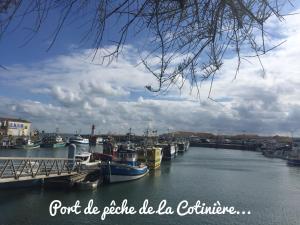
18 169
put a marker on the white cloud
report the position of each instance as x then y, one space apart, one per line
74 93
65 95
102 88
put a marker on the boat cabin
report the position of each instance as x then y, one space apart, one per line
83 157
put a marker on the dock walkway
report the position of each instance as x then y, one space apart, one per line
17 169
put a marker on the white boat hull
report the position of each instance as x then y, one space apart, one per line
88 185
90 165
80 142
122 178
27 147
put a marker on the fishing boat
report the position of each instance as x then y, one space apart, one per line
141 154
5 142
99 141
181 147
126 147
169 151
94 140
110 148
124 167
186 145
77 139
294 158
176 148
53 141
87 160
26 143
154 157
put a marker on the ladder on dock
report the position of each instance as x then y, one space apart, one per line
13 169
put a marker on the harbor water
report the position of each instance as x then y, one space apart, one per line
246 180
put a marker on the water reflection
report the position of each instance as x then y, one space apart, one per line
155 173
269 188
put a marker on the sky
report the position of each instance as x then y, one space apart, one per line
64 88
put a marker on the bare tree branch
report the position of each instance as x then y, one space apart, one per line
188 38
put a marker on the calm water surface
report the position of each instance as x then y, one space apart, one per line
267 187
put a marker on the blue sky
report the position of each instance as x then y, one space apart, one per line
15 46
64 88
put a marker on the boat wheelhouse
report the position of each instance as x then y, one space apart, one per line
294 157
154 157
168 150
77 139
26 143
87 160
53 141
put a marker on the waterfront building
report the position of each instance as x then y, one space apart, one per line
14 127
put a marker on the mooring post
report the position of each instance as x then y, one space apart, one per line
71 156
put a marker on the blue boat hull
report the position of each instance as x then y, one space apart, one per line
121 172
